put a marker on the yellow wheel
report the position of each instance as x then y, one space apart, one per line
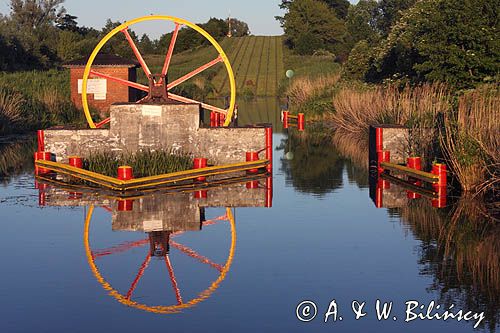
178 23
163 309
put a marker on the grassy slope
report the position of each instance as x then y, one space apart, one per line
257 62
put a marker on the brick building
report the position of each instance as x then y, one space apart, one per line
101 93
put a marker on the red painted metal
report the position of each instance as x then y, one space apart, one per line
222 120
144 265
137 53
379 139
269 148
121 81
441 200
217 119
252 156
199 195
173 280
383 156
125 173
170 52
125 205
253 185
301 122
213 115
75 195
200 163
119 249
412 195
102 123
41 140
42 156
440 171
193 254
269 192
379 195
76 162
194 73
41 198
192 101
414 163
285 119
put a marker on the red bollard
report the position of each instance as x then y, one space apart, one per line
301 122
383 156
41 140
76 162
200 163
125 205
252 156
42 156
217 119
269 148
440 171
222 120
212 119
125 173
285 119
414 163
379 139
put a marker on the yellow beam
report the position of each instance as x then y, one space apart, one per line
421 175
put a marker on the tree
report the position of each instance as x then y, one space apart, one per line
239 28
146 45
316 18
67 22
390 11
340 7
455 41
361 22
35 14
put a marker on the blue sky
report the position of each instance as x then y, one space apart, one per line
259 14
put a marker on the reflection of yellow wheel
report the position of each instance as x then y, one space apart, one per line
178 22
158 308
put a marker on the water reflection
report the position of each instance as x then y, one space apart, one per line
167 220
16 156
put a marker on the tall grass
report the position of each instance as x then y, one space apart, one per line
10 109
16 157
144 163
471 140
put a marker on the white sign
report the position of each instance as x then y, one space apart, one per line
95 86
151 110
153 225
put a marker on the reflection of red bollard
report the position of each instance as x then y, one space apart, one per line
199 195
412 195
200 163
285 119
252 156
383 184
125 205
379 196
269 148
379 139
41 198
440 171
42 156
440 202
125 173
75 195
301 122
76 162
269 192
383 156
253 185
41 140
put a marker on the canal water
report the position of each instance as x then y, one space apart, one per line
75 266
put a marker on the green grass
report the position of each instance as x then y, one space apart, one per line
144 163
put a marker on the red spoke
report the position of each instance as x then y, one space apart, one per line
192 101
120 248
170 52
137 53
193 254
102 123
194 73
121 81
173 280
139 276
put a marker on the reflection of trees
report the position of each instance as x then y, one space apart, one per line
461 253
316 166
16 157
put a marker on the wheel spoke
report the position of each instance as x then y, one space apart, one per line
192 101
173 280
120 248
137 53
139 276
102 123
194 73
170 52
121 81
195 255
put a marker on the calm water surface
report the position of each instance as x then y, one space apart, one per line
82 268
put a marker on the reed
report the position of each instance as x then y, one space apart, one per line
306 91
10 109
145 163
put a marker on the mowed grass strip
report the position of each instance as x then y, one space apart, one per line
245 64
262 89
252 71
232 52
